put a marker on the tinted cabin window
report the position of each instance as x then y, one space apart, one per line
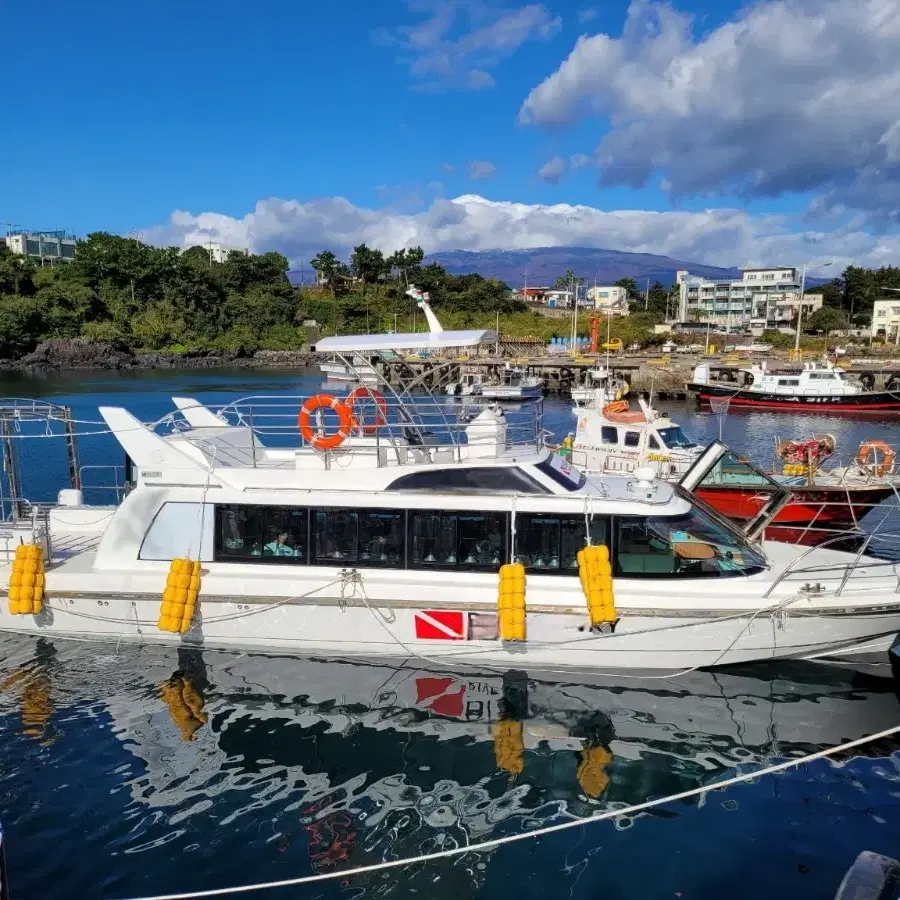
632 438
474 480
609 435
336 536
692 545
654 443
460 540
382 537
550 544
261 533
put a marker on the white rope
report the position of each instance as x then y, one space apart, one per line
539 832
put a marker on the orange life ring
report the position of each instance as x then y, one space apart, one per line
868 455
381 415
345 418
616 406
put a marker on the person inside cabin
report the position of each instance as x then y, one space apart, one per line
281 546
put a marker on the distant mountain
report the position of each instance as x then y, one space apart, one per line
545 264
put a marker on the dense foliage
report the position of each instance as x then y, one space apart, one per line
149 298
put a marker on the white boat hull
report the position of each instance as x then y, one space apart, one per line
366 618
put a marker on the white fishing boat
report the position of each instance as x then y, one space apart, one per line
393 534
511 383
360 370
600 387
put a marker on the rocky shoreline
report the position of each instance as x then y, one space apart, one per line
62 354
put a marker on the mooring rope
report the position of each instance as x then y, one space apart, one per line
528 835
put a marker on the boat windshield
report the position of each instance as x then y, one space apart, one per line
674 437
561 472
692 545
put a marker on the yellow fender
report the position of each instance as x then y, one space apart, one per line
511 602
26 581
595 572
180 596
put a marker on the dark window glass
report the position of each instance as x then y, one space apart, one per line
261 533
562 473
609 435
551 543
632 438
464 540
692 545
336 536
505 479
654 443
382 537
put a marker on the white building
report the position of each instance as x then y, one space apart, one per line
886 318
760 298
46 248
219 252
612 301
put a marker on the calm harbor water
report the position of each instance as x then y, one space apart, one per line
129 771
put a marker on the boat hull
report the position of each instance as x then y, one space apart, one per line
335 626
829 507
869 401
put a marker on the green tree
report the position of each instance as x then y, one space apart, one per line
16 273
630 286
567 281
368 265
826 319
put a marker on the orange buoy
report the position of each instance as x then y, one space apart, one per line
345 419
876 457
616 406
380 416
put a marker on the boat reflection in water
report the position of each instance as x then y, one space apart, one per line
261 767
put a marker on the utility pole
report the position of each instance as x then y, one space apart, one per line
647 297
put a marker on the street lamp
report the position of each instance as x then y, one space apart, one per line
800 304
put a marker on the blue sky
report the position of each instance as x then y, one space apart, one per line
253 119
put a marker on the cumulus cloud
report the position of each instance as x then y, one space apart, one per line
726 237
553 170
791 95
579 161
458 41
480 169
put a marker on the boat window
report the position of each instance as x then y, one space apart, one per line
483 479
261 533
562 473
673 436
654 443
692 545
788 382
336 535
609 435
457 540
550 544
382 537
632 438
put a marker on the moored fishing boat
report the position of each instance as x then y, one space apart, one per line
617 439
822 386
403 530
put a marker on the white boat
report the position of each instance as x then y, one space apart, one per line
360 370
386 536
824 386
600 387
512 383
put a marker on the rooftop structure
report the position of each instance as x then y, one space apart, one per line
46 248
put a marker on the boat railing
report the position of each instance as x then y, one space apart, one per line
862 564
21 515
394 429
111 480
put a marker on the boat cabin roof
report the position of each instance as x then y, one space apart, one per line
425 340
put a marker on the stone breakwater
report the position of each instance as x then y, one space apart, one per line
78 353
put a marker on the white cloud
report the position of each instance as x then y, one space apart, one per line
553 170
726 237
457 41
587 14
792 95
480 169
447 168
579 161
